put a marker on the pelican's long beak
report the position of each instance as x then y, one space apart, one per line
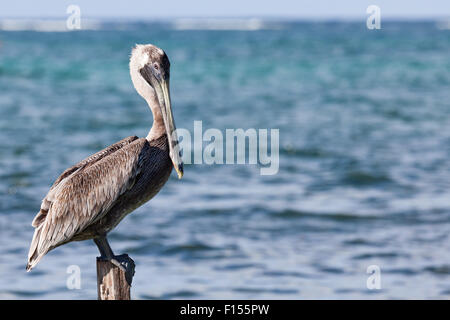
163 93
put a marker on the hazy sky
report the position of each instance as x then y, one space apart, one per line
227 8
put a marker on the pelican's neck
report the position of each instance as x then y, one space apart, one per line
145 91
158 129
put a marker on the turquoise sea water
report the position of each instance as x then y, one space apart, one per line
364 120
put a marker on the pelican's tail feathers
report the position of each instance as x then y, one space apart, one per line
34 255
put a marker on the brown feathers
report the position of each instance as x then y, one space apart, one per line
83 194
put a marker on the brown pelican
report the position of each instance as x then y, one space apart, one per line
89 199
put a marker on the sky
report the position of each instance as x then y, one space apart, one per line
307 9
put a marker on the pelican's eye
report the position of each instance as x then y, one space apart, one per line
155 65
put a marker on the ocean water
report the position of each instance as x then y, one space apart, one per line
364 171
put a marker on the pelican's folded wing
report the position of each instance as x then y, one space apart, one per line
83 194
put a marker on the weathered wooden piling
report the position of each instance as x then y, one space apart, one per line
112 282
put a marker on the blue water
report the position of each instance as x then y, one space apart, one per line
364 120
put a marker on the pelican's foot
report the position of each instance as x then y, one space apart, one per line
125 263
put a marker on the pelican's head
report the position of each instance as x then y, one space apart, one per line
150 73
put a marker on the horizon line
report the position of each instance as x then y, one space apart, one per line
350 18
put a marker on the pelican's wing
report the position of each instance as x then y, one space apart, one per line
83 194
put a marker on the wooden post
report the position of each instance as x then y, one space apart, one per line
112 283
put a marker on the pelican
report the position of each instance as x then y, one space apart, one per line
90 198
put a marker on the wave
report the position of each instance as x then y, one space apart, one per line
45 25
224 24
443 25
